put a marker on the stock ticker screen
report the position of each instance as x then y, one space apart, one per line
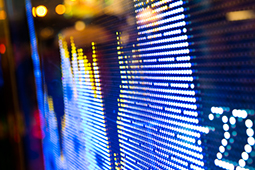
155 85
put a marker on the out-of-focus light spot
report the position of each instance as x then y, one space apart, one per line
130 20
2 48
240 15
60 9
80 25
146 16
2 15
46 32
33 12
41 11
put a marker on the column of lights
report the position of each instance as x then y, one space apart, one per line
51 141
157 118
85 135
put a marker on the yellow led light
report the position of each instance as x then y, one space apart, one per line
41 11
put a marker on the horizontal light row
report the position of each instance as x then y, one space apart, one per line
165 40
166 146
186 72
162 47
163 123
158 16
173 52
180 124
161 22
162 28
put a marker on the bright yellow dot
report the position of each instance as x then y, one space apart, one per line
60 9
80 25
41 11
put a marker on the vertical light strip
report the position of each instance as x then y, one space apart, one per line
158 121
86 143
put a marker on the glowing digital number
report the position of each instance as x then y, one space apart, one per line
229 122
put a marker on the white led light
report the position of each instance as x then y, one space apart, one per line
224 164
251 141
245 156
248 148
226 127
232 120
199 142
192 86
222 149
211 116
217 110
227 135
224 119
242 163
240 113
248 123
250 132
224 142
219 155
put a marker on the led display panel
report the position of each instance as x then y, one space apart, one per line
153 85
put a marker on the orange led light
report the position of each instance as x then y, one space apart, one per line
60 9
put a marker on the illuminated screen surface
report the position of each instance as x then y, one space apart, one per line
156 85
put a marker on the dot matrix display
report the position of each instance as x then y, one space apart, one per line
223 55
86 144
172 88
158 118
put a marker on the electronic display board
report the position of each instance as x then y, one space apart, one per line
154 84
